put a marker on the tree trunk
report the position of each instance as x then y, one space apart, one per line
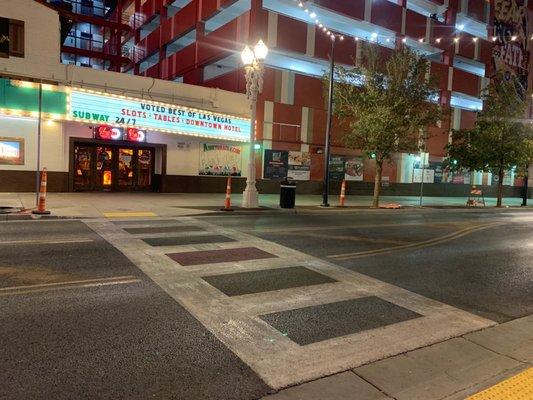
377 184
499 194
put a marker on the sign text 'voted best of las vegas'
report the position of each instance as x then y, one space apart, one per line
118 111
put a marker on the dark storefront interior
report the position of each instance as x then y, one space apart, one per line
104 166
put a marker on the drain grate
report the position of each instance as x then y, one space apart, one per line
9 210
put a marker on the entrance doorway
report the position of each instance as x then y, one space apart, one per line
109 167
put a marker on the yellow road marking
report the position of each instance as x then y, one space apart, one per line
44 287
340 227
44 241
518 387
426 243
352 238
129 214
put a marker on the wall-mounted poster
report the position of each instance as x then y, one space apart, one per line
461 177
299 166
429 175
354 168
439 171
11 151
510 53
220 159
336 168
276 164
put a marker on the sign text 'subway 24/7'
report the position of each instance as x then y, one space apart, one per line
122 111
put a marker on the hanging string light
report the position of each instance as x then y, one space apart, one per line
374 36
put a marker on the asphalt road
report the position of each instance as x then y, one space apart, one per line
79 320
118 341
488 272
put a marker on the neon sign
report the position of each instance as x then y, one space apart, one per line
134 135
107 132
126 112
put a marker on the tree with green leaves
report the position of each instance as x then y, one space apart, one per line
500 139
388 105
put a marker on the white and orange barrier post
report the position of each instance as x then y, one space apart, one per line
41 205
227 203
342 198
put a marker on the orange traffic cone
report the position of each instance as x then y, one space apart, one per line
227 203
343 194
41 206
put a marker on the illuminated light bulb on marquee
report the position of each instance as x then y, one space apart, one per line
116 133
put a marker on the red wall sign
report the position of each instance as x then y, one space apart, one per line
107 132
135 135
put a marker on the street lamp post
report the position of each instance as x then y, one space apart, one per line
253 61
325 193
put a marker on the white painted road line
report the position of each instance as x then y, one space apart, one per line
44 287
49 241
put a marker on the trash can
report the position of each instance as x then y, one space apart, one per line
287 194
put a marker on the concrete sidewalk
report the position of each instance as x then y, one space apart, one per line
96 205
451 370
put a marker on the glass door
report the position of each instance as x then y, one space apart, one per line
104 168
144 168
83 169
125 169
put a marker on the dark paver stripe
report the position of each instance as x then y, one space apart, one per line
326 321
241 283
219 256
163 229
187 240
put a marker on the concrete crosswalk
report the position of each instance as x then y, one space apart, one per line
245 323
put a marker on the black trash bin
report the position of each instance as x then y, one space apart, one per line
287 194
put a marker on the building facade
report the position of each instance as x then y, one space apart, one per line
166 46
97 130
199 41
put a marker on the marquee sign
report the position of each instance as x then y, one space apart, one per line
107 109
